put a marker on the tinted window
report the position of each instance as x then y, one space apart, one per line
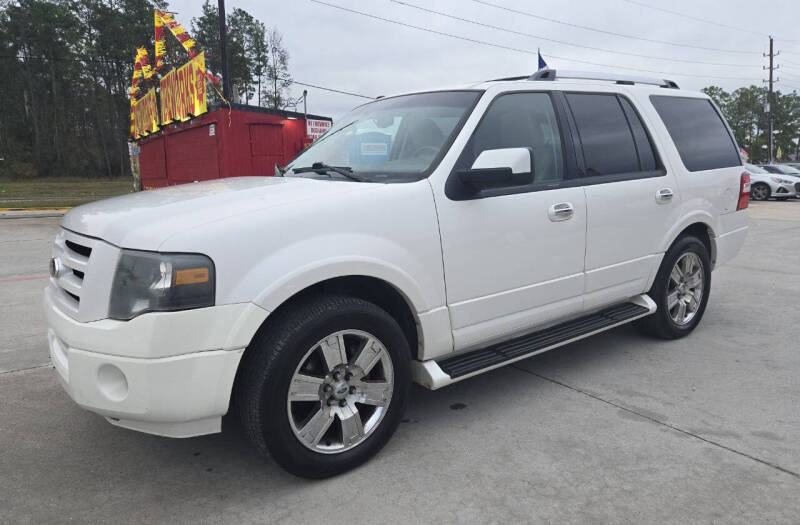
647 158
608 146
698 132
521 120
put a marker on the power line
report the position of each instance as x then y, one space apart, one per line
621 35
695 18
519 50
67 59
508 30
704 20
333 90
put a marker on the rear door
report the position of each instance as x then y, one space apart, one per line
631 199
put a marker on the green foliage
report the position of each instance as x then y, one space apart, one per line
17 170
65 70
258 62
745 111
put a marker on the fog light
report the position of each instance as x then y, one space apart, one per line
112 382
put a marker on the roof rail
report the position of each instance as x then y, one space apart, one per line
550 74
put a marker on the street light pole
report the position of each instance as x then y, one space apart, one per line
223 50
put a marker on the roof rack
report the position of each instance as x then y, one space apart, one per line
550 74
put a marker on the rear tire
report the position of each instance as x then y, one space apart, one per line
316 411
680 290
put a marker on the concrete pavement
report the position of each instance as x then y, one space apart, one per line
616 428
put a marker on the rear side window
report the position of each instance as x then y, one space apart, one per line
698 131
607 141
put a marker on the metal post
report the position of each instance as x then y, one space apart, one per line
223 50
305 109
770 102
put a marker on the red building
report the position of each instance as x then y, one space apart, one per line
242 141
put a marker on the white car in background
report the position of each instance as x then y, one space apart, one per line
764 184
785 172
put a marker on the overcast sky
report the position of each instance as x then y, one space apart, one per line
351 52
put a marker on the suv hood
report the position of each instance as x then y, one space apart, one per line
146 219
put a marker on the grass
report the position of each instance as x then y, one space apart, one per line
59 193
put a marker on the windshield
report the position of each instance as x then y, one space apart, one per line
788 170
784 170
752 168
393 139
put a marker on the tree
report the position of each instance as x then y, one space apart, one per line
65 68
249 34
744 109
277 75
205 30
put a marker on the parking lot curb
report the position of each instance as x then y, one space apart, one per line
31 213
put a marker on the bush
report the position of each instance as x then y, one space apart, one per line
18 170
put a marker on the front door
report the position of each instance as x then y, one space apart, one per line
513 257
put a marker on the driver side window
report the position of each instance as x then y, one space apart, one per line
521 120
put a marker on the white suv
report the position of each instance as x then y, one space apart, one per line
427 237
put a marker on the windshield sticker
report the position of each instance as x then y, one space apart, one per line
374 148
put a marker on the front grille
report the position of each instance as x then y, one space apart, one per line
86 251
797 187
72 258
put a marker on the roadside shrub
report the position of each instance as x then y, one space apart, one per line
18 170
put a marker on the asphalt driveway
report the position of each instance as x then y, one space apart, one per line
616 428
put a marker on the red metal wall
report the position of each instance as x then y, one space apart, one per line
224 143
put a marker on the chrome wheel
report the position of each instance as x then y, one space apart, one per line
340 391
685 288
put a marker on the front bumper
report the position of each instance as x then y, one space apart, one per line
781 191
167 373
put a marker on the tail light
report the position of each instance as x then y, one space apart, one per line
744 192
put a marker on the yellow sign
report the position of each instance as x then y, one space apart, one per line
144 115
183 91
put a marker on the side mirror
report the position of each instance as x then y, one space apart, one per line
499 168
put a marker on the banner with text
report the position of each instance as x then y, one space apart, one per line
183 91
144 115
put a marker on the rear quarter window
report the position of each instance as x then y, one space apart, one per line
698 131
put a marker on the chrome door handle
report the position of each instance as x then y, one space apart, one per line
561 211
664 195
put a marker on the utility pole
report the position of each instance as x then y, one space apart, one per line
771 99
223 51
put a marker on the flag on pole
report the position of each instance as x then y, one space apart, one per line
542 63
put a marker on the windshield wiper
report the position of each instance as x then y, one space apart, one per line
324 169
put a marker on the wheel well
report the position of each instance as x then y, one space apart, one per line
705 234
371 289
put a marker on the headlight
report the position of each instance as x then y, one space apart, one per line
159 282
778 180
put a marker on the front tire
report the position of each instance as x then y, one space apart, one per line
760 191
680 290
323 387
